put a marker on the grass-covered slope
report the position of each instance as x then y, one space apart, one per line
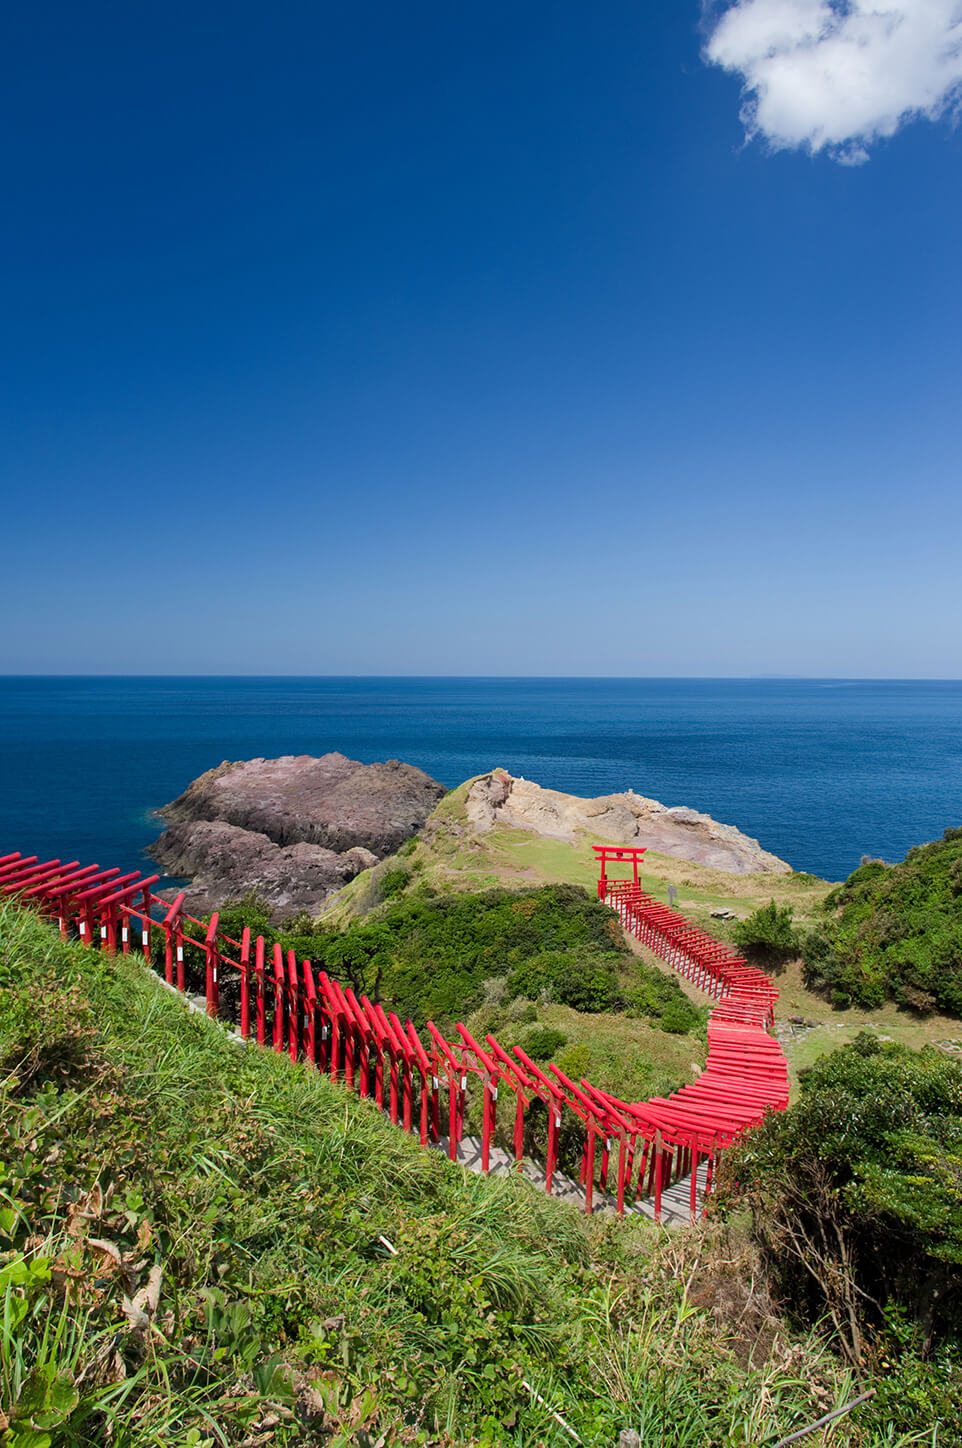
201 1244
895 932
451 854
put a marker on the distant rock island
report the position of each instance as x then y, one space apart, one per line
293 829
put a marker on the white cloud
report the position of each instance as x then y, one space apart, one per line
836 75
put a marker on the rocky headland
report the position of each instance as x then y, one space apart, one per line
293 830
624 819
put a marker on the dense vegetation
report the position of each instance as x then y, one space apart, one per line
856 1194
768 933
430 958
204 1245
895 932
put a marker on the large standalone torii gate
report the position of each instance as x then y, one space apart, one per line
622 855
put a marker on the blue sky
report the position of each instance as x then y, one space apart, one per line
482 339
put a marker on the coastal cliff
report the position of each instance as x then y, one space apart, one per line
295 830
624 819
292 830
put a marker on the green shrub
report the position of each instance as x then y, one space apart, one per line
544 1042
855 1192
679 1018
768 931
894 932
575 1061
393 882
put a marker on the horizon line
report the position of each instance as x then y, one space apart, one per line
565 678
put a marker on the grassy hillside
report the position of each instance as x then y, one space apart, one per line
202 1244
894 932
450 855
545 968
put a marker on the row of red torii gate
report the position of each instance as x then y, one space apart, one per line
441 1087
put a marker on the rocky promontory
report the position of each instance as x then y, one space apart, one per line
292 829
624 819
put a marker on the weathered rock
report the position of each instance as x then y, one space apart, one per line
292 830
226 862
331 801
624 819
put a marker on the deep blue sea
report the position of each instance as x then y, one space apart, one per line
821 772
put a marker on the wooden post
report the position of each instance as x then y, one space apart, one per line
245 969
259 988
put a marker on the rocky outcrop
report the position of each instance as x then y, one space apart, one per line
624 819
331 801
226 863
292 829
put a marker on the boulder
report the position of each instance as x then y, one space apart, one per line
292 830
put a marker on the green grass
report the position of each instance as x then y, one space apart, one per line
137 1139
450 857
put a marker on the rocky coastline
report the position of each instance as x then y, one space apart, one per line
292 830
295 830
624 819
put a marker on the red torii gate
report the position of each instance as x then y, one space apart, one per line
616 854
312 1018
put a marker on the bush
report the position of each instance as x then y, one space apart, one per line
768 931
394 882
679 1018
575 1062
894 932
543 1042
855 1192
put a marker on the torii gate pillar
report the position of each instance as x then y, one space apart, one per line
616 855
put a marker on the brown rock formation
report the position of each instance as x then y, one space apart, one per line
624 819
292 829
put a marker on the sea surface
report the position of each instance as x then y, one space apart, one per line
821 772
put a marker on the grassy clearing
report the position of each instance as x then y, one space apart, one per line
194 1251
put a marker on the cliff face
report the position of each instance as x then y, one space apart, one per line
624 819
292 829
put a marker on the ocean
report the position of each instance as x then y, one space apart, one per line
821 772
